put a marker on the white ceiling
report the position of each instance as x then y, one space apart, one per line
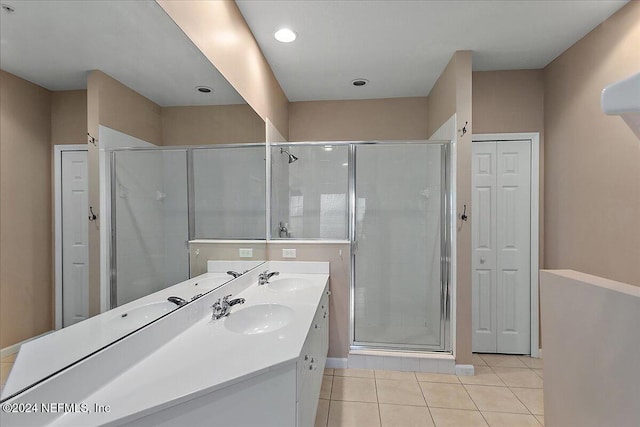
403 46
55 43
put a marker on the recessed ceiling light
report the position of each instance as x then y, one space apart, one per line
204 89
285 35
7 8
345 164
359 82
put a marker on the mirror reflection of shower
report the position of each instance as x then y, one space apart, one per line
292 158
283 229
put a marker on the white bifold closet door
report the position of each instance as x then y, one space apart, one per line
501 222
75 237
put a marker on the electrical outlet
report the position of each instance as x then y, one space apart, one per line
288 253
245 252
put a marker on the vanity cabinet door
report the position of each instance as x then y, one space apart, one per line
311 364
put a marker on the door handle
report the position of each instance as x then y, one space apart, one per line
482 260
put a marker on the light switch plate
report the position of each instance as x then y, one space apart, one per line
288 253
245 252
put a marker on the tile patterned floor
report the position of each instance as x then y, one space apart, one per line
6 363
506 391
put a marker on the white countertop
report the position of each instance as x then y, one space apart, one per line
207 356
50 353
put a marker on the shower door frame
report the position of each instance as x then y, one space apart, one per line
113 260
188 149
445 252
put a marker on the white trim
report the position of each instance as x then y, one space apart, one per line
336 363
534 137
12 349
465 370
57 213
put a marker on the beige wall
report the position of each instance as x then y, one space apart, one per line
69 117
592 161
338 255
508 101
26 280
219 124
124 109
218 29
200 252
371 119
452 94
591 345
441 103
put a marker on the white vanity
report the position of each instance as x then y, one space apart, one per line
262 365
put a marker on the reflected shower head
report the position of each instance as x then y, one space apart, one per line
292 158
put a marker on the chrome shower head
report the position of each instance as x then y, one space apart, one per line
292 158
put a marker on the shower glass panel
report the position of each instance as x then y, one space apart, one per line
309 191
229 192
150 213
400 246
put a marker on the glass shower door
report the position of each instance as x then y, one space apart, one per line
400 246
150 229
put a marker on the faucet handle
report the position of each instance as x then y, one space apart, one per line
225 300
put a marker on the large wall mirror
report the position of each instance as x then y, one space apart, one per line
156 89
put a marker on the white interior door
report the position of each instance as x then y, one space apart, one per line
501 259
75 228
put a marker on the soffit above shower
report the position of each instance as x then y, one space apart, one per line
55 43
401 46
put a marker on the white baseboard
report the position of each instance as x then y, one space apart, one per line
12 349
336 363
465 370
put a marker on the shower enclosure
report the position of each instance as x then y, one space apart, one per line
163 197
149 222
391 201
400 241
309 192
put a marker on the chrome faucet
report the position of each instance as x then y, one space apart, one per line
283 229
177 301
235 274
221 307
264 277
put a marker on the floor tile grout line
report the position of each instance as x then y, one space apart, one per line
375 386
520 400
433 421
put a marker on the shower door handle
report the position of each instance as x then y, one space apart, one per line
354 246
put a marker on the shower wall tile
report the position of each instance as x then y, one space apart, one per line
357 361
429 365
446 366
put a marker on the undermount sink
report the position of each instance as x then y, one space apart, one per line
139 316
288 284
258 319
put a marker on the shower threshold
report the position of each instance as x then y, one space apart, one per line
397 360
